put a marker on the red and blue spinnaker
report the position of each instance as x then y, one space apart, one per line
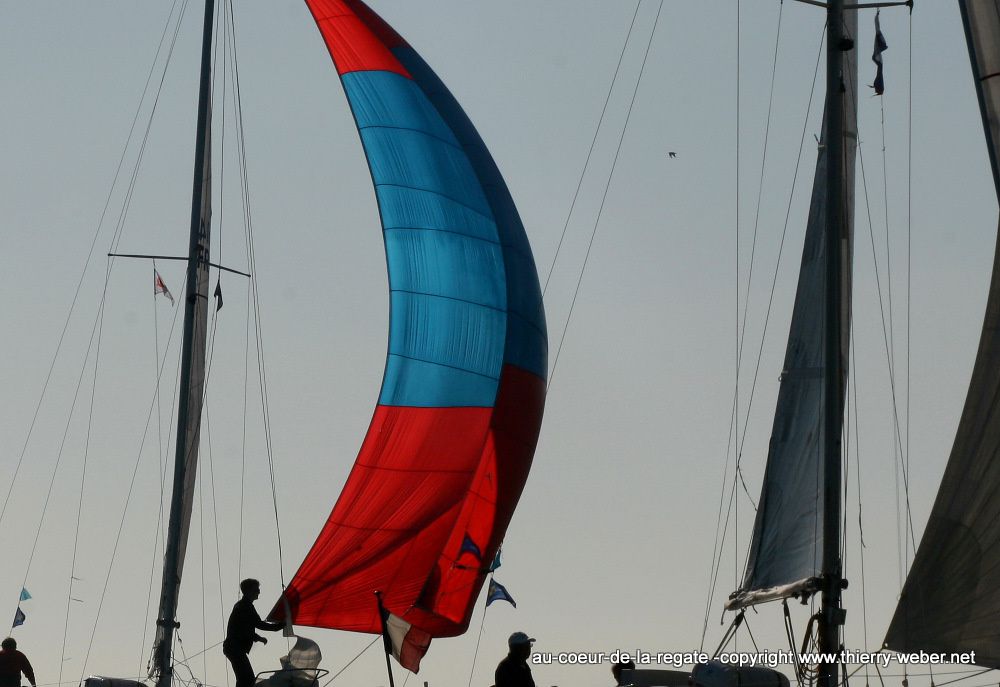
444 462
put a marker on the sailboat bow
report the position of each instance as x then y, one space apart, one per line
448 450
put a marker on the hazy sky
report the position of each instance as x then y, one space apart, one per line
612 542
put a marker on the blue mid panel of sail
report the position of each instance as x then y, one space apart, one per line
448 279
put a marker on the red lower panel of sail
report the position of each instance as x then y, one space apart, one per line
424 480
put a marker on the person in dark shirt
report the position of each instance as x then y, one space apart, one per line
12 664
514 671
240 633
616 670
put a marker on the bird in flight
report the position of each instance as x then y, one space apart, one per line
672 154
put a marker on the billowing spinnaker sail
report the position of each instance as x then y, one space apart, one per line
951 599
448 451
787 546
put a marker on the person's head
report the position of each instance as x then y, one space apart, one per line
520 644
8 644
617 668
250 588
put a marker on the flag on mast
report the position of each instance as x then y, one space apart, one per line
160 287
497 592
880 47
406 643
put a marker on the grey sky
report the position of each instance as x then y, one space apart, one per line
611 544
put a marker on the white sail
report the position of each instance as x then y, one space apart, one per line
787 545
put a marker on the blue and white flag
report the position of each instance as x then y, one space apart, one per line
880 47
497 592
24 594
19 618
496 561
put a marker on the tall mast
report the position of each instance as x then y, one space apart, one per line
192 367
831 612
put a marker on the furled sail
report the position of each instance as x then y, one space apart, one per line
448 450
951 599
787 544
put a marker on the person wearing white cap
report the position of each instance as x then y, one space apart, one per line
514 670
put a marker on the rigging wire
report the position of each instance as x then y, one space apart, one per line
852 376
246 341
971 673
201 538
223 45
784 232
116 238
86 265
736 284
604 197
259 339
121 526
781 246
593 143
848 215
909 273
891 332
718 547
227 11
348 665
741 336
218 550
887 335
861 531
98 328
479 639
717 561
159 541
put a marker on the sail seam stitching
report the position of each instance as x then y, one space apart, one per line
456 145
452 367
488 216
444 231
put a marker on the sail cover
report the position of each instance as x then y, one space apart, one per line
951 599
448 450
787 545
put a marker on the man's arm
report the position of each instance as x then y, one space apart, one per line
27 670
264 625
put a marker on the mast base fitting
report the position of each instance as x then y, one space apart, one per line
845 44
